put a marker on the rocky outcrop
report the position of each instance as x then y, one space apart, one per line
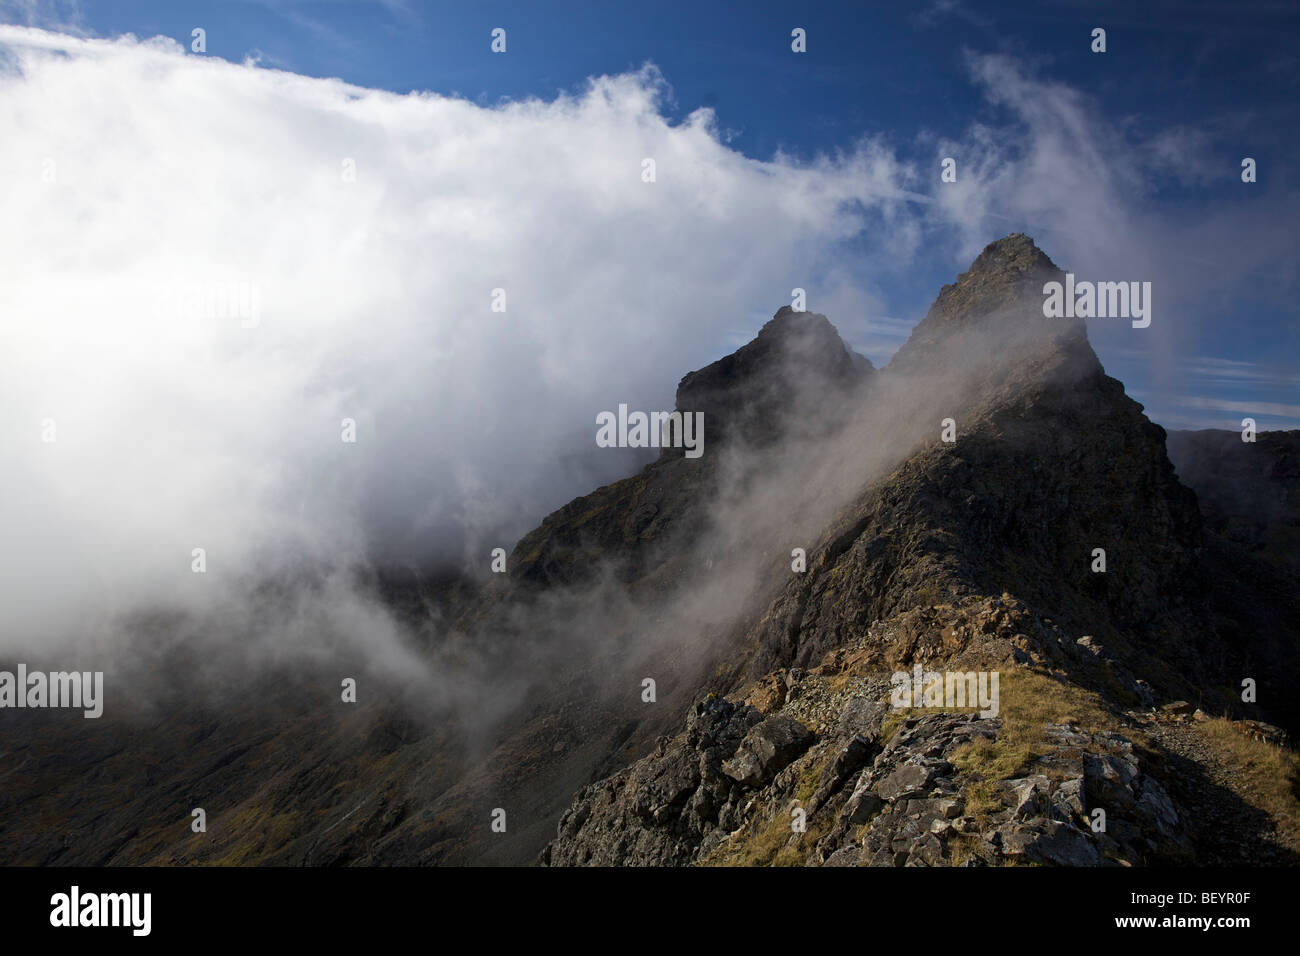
660 810
920 814
909 797
796 371
769 747
1051 462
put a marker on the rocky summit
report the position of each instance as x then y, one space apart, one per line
972 608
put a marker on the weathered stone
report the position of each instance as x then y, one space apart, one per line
1258 730
862 806
945 808
768 695
1028 796
1067 800
1109 782
852 756
1158 808
850 855
906 780
1060 844
927 851
862 717
766 749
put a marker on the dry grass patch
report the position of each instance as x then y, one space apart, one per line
1028 701
1267 777
768 843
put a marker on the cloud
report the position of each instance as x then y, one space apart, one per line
940 11
197 298
1092 189
1278 409
1087 185
1185 154
1241 388
66 16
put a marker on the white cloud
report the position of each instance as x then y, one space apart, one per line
173 173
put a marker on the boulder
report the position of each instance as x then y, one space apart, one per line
768 748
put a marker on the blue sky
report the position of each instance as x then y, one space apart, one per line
1164 116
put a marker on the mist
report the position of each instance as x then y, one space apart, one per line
200 303
216 273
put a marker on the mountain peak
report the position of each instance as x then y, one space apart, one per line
795 360
1001 292
1014 252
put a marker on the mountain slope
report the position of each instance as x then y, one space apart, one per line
975 555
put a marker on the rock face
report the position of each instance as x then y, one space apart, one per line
1249 494
787 376
659 810
789 373
1041 816
1002 292
768 748
1052 461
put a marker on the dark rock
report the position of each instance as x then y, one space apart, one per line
767 749
862 717
906 780
845 856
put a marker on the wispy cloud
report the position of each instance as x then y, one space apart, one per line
936 12
66 16
1231 372
1192 370
1277 409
